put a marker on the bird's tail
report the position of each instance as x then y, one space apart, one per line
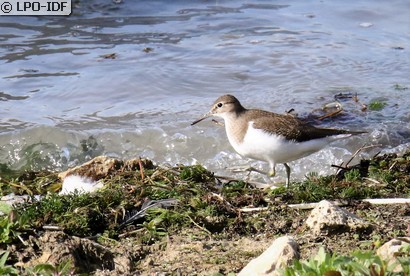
331 131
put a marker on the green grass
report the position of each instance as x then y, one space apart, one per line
212 209
385 176
200 201
6 269
357 263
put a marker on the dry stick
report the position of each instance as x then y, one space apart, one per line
254 209
223 200
373 201
199 226
396 200
52 228
141 168
359 150
301 206
372 180
341 166
330 114
356 100
306 206
392 166
22 241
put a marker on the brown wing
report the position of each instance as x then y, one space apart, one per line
291 127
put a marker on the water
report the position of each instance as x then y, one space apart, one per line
64 100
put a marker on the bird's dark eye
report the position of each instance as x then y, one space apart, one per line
219 105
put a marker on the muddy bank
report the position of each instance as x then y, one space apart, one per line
183 220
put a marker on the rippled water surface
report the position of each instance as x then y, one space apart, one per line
126 79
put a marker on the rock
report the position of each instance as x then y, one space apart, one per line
7 202
95 169
102 166
390 251
279 255
328 218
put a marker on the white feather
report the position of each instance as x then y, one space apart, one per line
80 184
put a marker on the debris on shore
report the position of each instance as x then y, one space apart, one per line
146 219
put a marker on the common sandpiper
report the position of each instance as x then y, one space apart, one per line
271 137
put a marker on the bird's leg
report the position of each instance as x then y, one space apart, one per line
246 169
272 171
252 169
287 174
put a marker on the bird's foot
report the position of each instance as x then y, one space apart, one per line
237 169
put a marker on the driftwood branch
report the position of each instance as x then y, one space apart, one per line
308 206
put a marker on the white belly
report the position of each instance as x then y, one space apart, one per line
272 148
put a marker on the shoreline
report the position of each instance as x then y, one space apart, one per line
212 226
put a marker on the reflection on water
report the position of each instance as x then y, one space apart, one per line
133 75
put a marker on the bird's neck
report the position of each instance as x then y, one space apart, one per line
236 126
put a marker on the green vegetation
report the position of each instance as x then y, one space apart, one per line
213 210
200 201
11 226
4 268
383 176
62 269
377 105
358 263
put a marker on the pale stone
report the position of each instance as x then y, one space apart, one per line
102 166
278 256
389 251
328 218
95 169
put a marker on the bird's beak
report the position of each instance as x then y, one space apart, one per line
207 115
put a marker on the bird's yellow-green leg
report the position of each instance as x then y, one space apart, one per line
272 171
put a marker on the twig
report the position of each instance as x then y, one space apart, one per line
392 166
356 100
141 168
372 180
358 151
374 201
312 205
199 226
223 200
387 200
255 209
52 228
21 239
340 167
330 114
